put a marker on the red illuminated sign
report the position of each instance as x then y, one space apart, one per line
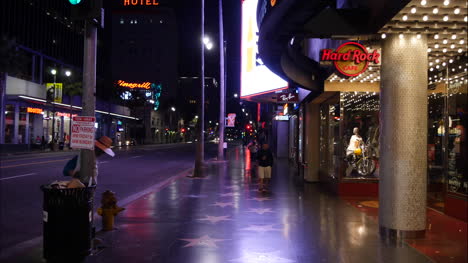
140 2
34 110
143 85
61 114
351 58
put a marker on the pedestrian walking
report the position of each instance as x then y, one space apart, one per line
265 162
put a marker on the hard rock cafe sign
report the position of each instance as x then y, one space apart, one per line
351 58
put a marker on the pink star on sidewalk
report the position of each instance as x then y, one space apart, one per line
261 199
215 219
229 194
221 204
260 228
260 211
204 241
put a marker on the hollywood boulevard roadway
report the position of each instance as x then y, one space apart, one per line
131 171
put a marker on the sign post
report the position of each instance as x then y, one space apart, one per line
82 133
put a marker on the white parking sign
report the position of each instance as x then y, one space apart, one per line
82 134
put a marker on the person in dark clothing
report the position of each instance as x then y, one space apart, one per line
265 162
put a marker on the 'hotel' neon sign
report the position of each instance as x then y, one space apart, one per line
143 85
140 2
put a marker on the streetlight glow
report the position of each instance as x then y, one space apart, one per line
172 109
206 40
235 95
209 45
68 73
53 71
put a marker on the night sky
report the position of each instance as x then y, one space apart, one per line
189 26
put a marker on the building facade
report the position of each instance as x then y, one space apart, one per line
409 106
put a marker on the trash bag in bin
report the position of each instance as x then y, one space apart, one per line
68 221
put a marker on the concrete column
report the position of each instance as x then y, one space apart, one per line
3 77
403 136
16 124
312 142
27 137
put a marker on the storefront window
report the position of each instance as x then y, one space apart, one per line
22 126
435 155
9 123
457 147
360 130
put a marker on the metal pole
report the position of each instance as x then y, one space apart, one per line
53 116
88 159
222 95
201 121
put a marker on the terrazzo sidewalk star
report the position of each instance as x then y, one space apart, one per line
204 241
215 219
261 228
260 211
195 196
260 199
229 194
221 204
253 257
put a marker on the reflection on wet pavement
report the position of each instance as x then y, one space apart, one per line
223 219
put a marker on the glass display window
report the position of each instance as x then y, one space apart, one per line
360 134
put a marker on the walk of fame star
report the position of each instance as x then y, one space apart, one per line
221 204
229 194
215 219
260 211
261 228
195 196
205 241
254 257
260 199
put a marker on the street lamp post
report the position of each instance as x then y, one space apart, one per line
68 74
222 89
200 155
54 73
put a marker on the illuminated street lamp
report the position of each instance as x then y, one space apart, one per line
68 73
172 109
53 71
235 95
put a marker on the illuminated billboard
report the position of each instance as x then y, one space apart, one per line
256 78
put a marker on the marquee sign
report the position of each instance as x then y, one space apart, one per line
131 85
351 58
34 110
140 2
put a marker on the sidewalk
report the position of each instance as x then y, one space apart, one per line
222 218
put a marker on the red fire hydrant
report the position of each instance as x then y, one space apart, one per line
108 210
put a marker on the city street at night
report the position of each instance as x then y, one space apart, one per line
132 170
219 131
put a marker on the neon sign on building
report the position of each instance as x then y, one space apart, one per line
140 2
256 78
132 85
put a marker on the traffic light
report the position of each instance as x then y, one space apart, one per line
182 130
85 9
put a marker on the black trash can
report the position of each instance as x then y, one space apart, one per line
68 221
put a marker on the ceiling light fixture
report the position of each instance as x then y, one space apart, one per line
436 46
401 36
446 2
429 50
423 2
418 36
435 10
383 36
413 10
425 18
445 41
462 42
454 36
456 11
446 18
405 17
436 36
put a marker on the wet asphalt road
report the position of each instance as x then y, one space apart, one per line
130 171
